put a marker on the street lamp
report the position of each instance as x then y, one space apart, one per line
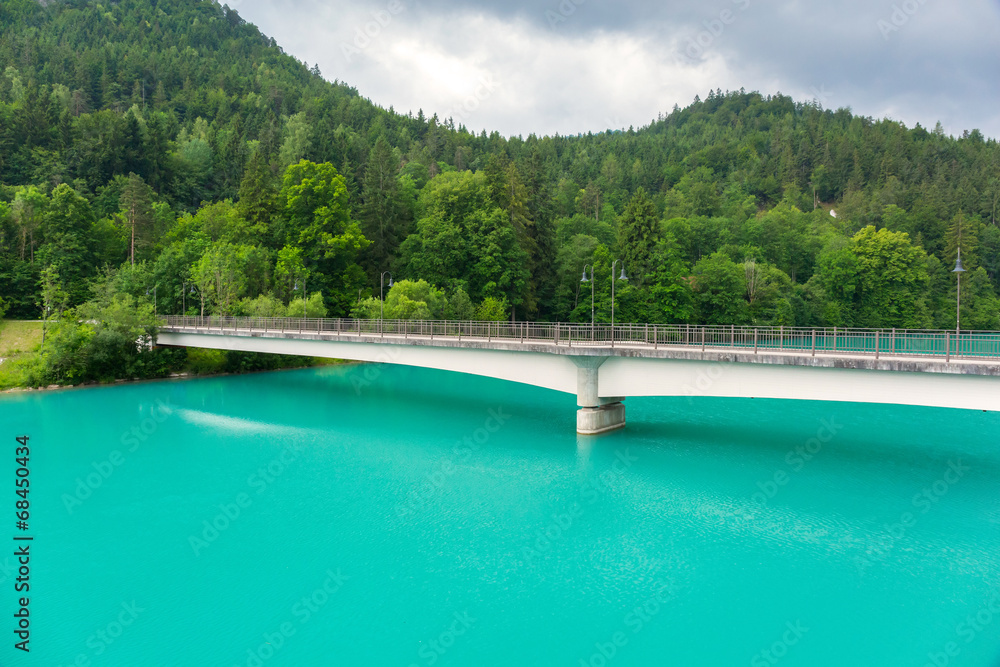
381 300
590 280
959 269
296 288
621 277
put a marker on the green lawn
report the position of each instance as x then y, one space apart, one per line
17 340
17 336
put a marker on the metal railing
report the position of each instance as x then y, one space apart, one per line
970 345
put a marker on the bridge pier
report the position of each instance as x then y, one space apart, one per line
596 415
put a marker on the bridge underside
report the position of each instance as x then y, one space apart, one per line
600 380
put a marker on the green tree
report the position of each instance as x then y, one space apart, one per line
382 214
314 307
258 199
227 272
136 212
720 291
28 211
637 231
67 227
892 280
491 309
415 300
317 218
460 306
54 298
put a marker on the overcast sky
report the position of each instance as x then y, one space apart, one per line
570 66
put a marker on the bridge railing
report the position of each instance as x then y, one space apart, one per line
761 340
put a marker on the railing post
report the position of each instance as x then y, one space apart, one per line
656 340
732 336
755 340
687 334
703 339
877 343
892 346
489 331
835 339
814 343
781 337
947 347
557 334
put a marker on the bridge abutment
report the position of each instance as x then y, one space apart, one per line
596 414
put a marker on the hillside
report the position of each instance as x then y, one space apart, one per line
166 146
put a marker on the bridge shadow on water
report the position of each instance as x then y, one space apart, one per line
916 437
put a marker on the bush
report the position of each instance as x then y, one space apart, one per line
492 310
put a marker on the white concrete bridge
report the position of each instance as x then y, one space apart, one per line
602 367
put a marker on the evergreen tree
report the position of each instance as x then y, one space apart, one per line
637 235
382 215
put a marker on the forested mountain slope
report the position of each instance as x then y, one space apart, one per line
168 147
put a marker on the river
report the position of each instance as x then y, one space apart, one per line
381 515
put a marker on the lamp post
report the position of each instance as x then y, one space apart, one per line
296 289
959 270
621 277
381 299
590 280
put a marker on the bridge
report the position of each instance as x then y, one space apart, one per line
602 365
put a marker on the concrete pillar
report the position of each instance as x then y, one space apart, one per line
596 414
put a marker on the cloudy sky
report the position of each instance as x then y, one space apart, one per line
569 66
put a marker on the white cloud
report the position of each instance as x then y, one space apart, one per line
507 68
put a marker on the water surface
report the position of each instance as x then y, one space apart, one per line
379 515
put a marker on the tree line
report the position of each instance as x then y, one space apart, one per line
168 151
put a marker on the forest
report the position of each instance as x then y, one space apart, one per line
165 157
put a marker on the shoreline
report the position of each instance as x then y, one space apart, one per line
172 377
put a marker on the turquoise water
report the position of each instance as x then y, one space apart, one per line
394 516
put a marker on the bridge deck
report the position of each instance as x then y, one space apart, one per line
889 350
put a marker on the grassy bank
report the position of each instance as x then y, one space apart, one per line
20 343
